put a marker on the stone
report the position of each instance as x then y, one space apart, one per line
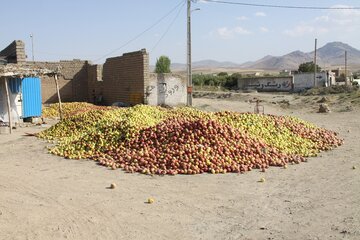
324 108
323 100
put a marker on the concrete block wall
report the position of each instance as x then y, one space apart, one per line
124 78
166 89
15 52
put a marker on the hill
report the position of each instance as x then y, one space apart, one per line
330 55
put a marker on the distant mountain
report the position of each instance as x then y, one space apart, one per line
283 62
208 64
215 64
332 54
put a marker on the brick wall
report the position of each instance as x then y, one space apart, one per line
124 78
15 52
120 79
73 82
95 84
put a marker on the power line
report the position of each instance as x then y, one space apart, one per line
140 34
282 6
66 54
168 28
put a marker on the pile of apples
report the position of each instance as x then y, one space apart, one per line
93 131
69 109
191 147
155 140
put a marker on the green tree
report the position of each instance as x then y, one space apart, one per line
222 74
308 67
163 65
232 81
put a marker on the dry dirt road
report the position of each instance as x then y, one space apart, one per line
48 197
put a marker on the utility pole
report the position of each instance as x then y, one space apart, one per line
315 68
189 75
32 46
346 68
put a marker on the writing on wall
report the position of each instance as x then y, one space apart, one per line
271 85
163 89
166 89
266 84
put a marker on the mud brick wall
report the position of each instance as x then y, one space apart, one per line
124 78
15 52
95 84
120 79
73 82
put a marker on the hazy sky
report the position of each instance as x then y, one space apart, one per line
91 29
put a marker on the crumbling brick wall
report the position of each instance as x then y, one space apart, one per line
120 79
15 52
95 83
73 81
124 78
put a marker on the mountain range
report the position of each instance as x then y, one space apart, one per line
330 55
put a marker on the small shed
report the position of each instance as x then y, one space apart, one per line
20 93
25 98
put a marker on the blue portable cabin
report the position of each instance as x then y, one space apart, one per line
25 98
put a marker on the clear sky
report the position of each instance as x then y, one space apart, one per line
92 29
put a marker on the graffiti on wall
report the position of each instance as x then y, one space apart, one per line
268 85
168 90
149 89
163 89
172 91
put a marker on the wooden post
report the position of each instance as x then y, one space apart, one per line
58 93
8 104
346 82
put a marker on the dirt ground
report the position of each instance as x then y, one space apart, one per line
47 197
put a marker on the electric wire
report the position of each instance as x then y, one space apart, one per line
66 55
282 6
168 28
143 32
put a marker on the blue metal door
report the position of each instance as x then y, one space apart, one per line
31 92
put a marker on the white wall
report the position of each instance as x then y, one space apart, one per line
168 89
306 80
266 83
15 108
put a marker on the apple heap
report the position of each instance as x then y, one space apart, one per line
73 125
69 109
92 131
191 147
271 130
155 140
322 138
